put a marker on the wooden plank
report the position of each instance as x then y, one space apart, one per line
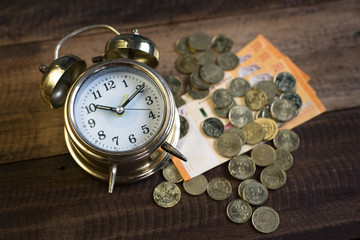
31 130
24 21
53 198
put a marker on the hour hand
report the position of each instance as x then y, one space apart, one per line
105 108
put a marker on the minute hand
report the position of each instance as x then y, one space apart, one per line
132 96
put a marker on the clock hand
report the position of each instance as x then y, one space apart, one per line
106 108
133 95
137 109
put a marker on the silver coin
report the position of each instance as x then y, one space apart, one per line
265 219
227 60
283 110
284 159
224 112
228 144
293 97
199 41
182 45
219 188
242 185
287 140
211 73
269 88
184 126
239 132
240 115
212 127
179 101
239 86
197 82
206 57
196 93
196 185
173 82
255 193
238 211
241 167
222 43
222 98
171 173
285 82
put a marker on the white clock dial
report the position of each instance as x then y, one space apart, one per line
96 120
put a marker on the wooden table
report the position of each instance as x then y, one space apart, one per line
44 194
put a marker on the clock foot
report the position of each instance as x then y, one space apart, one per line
112 178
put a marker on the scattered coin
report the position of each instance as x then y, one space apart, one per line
219 188
182 46
179 101
222 43
199 41
171 173
240 115
293 97
239 86
284 160
196 185
285 82
197 82
238 211
184 126
239 132
263 155
273 177
222 98
196 93
187 63
228 144
242 185
287 140
227 60
224 112
270 127
265 219
173 82
283 110
254 133
206 57
211 73
255 99
255 193
241 167
166 194
212 127
269 88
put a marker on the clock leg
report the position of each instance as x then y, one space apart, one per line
112 177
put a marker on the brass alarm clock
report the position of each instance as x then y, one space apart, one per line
121 123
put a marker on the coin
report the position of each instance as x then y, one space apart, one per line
254 133
239 132
269 88
287 140
263 155
283 110
196 185
228 144
181 45
197 82
243 184
222 98
184 126
212 127
179 101
293 97
166 194
205 57
273 177
211 73
187 63
241 167
255 99
284 160
240 115
227 61
255 193
239 86
222 43
219 188
270 127
199 41
224 112
238 211
285 82
171 173
196 93
265 219
173 83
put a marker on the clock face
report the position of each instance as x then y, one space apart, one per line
99 118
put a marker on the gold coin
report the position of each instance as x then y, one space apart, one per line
287 140
239 132
219 188
205 57
273 177
211 73
238 211
187 63
240 115
242 185
255 193
254 133
182 46
269 89
196 93
166 194
199 41
222 43
270 127
171 173
255 99
241 167
196 185
227 61
284 160
265 219
228 144
263 155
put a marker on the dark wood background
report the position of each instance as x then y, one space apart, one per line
45 195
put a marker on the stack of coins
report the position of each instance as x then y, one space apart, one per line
205 59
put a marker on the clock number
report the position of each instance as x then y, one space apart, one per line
139 86
96 94
132 138
91 122
145 129
149 100
101 135
115 140
109 85
125 83
91 108
151 115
